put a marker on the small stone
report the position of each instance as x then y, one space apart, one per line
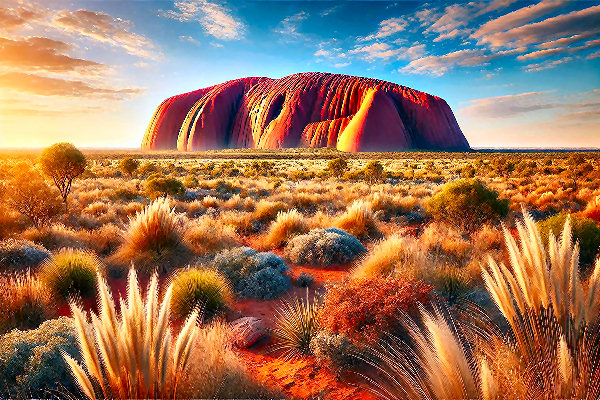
246 331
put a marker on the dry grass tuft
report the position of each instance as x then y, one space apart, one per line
359 220
287 225
133 353
207 235
25 302
296 323
154 236
71 272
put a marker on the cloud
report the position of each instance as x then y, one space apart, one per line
289 26
104 28
12 18
37 53
517 18
189 39
559 50
508 105
385 51
546 64
329 11
46 86
341 65
593 55
387 27
439 65
216 19
576 22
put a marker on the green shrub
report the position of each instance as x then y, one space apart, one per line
252 274
374 171
201 288
305 280
31 362
337 167
336 350
468 204
158 185
324 247
71 272
129 165
585 231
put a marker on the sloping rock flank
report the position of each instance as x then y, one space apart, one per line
305 110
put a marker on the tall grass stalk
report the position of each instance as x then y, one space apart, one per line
133 353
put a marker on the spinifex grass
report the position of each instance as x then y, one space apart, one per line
296 323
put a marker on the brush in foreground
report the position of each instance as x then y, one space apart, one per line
134 353
551 350
296 323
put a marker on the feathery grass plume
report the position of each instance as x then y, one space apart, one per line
200 288
71 272
131 354
546 303
359 220
155 233
437 365
296 323
25 301
288 224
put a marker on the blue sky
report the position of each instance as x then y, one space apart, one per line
516 74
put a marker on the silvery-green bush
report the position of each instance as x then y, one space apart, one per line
20 252
31 364
324 247
252 274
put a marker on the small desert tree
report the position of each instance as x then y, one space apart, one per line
467 204
337 167
26 192
158 185
129 165
63 162
373 171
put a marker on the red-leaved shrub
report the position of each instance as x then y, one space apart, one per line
365 309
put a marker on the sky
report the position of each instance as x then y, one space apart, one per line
516 74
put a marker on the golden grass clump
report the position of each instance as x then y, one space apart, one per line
207 235
71 272
359 220
296 323
133 353
287 225
154 235
394 253
25 301
200 288
215 371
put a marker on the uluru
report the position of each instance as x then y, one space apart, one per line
311 109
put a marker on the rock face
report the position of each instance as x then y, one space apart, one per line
246 331
305 110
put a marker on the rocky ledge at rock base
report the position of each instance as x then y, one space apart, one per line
305 110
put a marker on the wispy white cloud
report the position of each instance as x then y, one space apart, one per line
289 27
104 28
547 64
216 19
387 27
439 65
189 39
